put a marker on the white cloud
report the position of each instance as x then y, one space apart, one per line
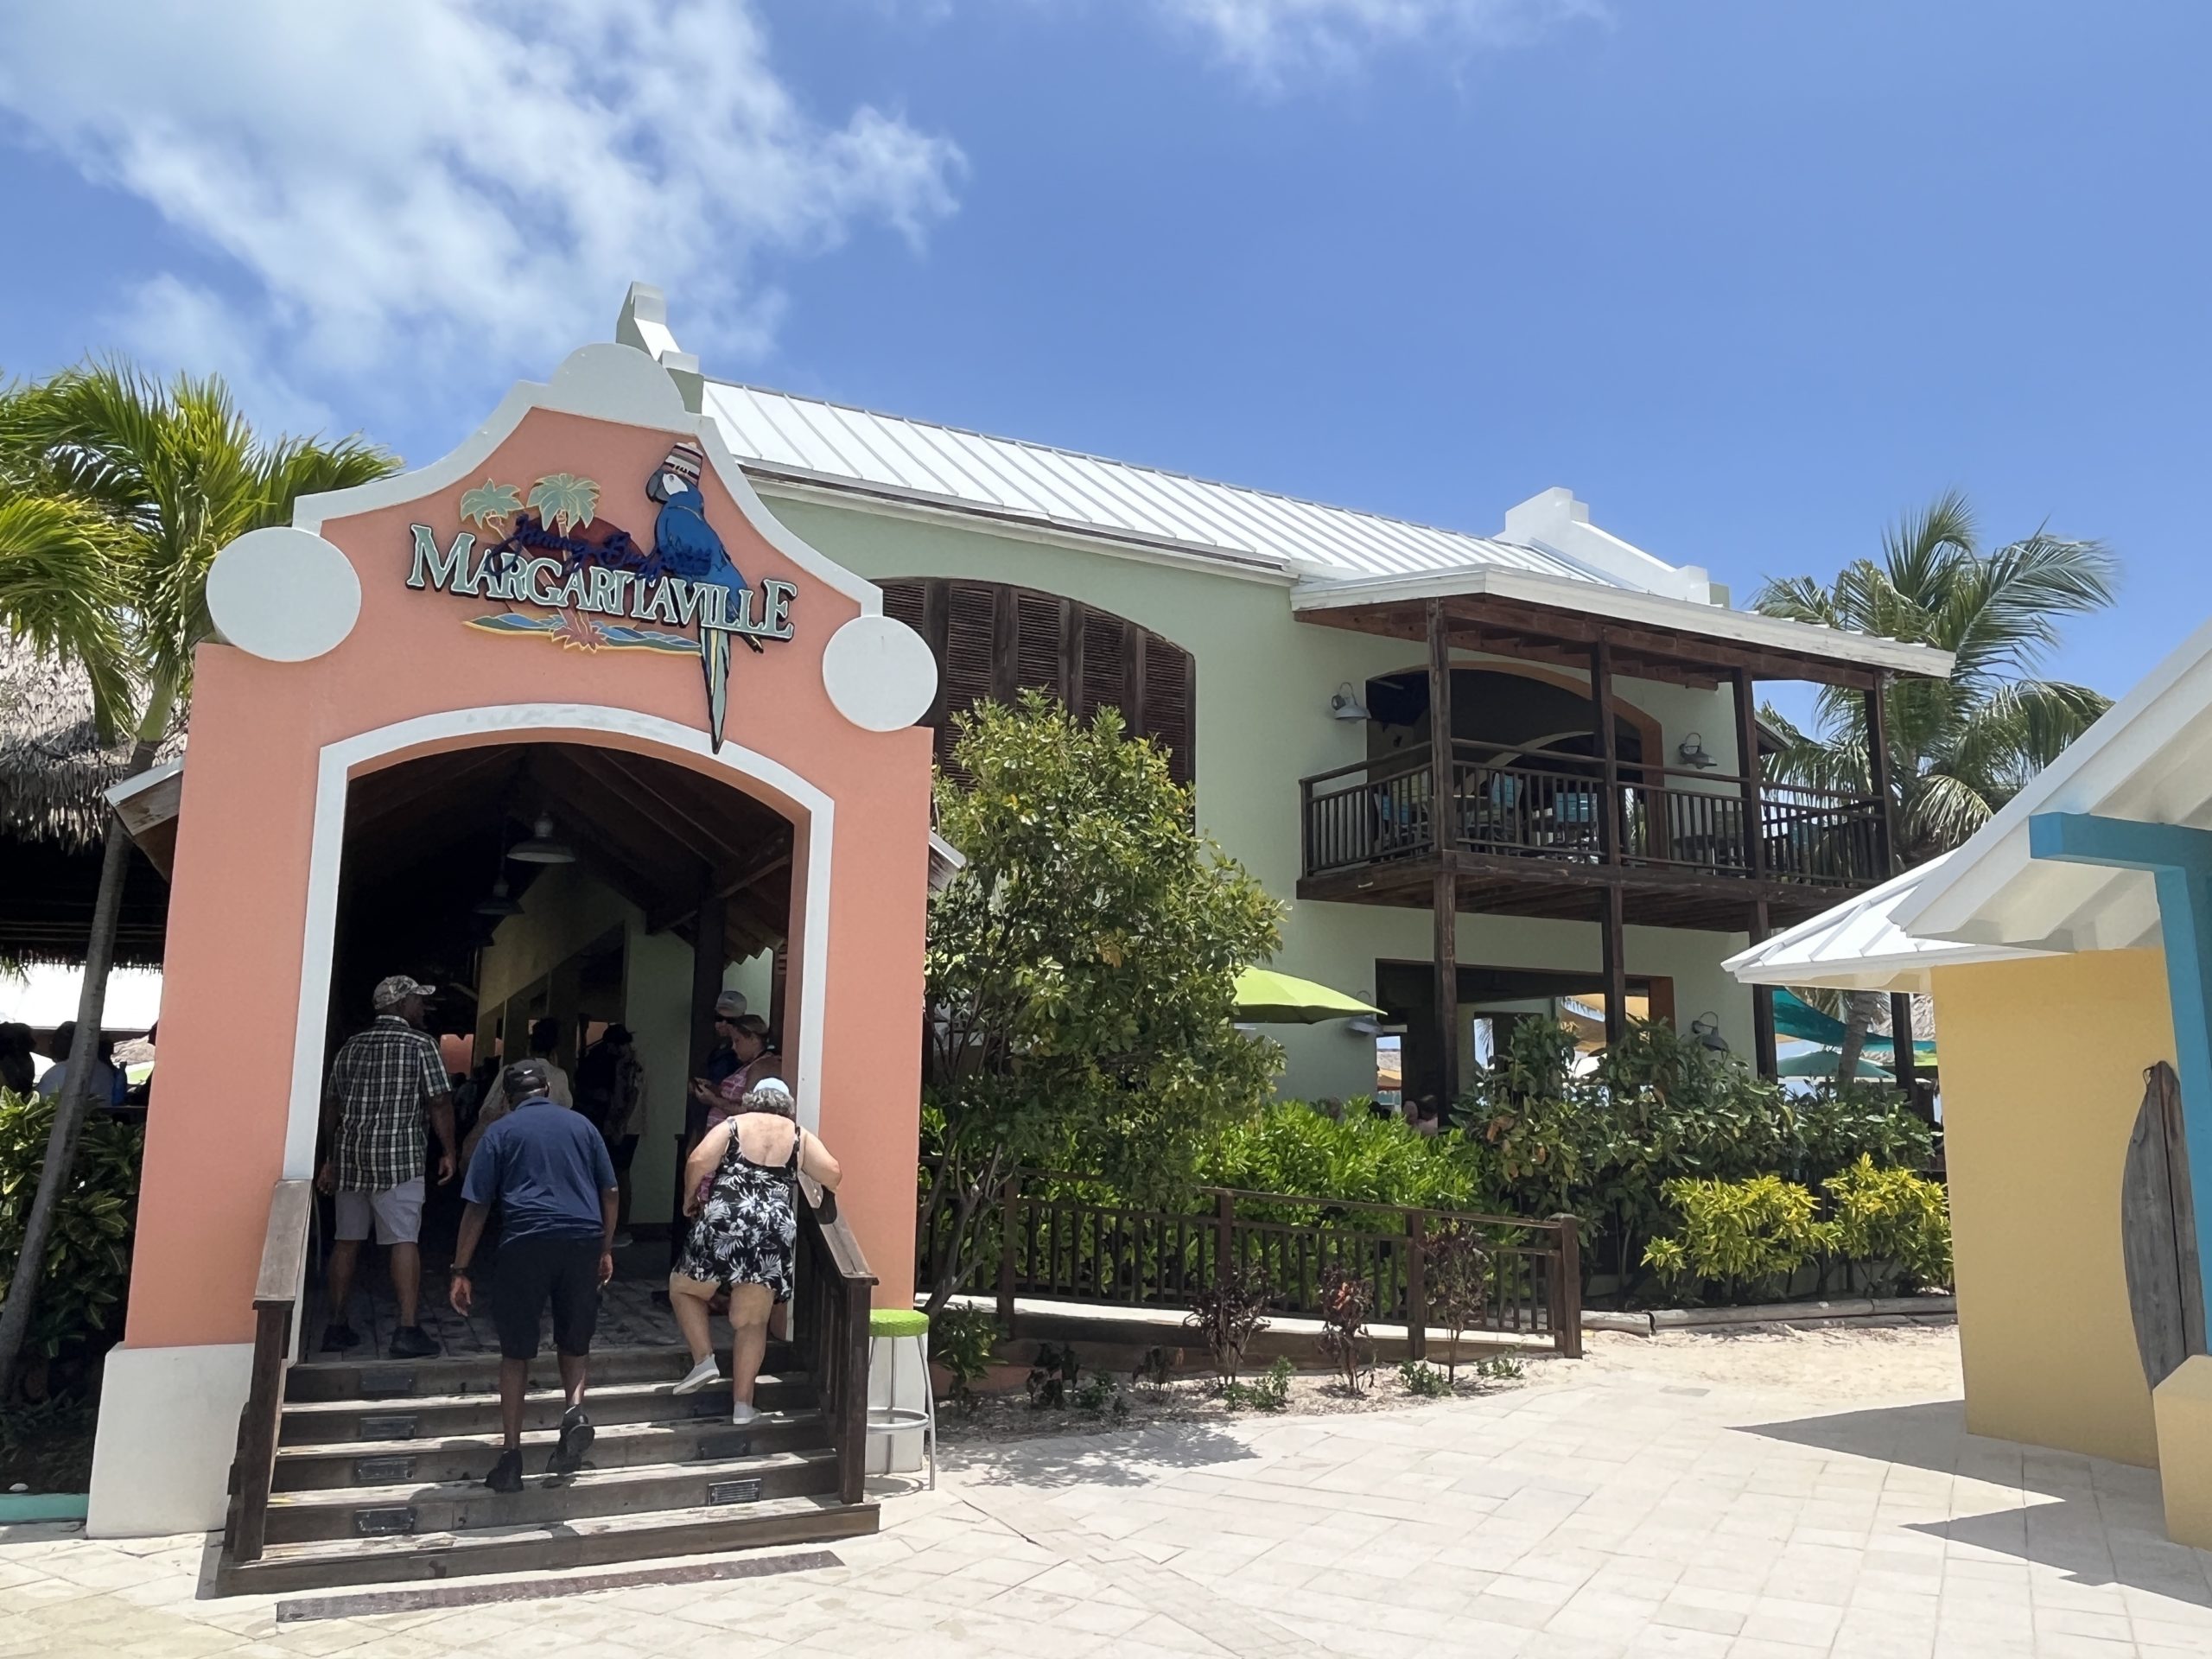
1274 38
170 326
415 183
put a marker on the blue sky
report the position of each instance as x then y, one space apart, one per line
1750 278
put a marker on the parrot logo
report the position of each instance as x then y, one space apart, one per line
686 545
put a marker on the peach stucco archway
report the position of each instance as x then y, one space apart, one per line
273 747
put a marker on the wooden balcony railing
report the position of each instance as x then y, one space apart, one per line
1514 803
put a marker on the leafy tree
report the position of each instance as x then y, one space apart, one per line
1082 969
1958 748
115 494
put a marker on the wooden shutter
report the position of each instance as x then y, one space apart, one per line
995 641
965 665
1105 684
1169 702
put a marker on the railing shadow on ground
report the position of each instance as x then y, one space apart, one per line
2097 1521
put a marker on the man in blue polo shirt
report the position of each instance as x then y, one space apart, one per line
547 1169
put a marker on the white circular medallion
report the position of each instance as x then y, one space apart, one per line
878 672
284 595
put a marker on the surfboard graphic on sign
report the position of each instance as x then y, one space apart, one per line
566 576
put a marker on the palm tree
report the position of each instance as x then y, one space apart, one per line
1959 748
115 494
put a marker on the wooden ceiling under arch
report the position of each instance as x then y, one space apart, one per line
425 841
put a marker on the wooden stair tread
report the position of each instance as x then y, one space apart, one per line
400 1405
538 1439
585 1480
548 1546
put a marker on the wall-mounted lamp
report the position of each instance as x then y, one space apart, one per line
1346 705
1692 749
1706 1029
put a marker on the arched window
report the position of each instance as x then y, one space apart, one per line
993 641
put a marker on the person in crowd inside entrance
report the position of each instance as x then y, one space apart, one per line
385 1081
610 1084
18 1074
730 1008
108 1083
754 1050
548 1171
746 1233
544 1038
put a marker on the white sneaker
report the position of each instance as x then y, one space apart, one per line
741 1413
704 1375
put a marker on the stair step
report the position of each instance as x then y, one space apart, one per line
441 1416
361 1378
343 1464
587 1541
467 1505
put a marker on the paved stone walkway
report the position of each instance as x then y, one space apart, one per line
1593 1513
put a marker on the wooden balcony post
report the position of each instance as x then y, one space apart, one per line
1444 902
1763 1042
1877 773
1905 1062
1613 954
1611 838
1747 764
1444 830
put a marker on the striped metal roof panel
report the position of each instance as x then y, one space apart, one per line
834 445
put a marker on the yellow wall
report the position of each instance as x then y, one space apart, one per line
2043 1076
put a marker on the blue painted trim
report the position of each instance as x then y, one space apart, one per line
2180 860
18 1508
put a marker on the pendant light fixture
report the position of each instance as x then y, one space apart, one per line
543 847
501 902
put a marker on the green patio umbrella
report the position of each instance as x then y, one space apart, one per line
1265 997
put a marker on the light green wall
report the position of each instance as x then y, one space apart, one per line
1264 680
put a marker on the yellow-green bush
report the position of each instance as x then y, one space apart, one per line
1743 1234
1892 1216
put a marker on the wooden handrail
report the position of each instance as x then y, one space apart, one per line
837 1334
276 1290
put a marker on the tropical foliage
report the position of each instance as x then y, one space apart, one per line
87 1255
1958 748
1081 968
115 494
1660 1108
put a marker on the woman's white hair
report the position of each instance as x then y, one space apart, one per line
770 1095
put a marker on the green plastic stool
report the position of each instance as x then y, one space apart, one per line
895 1325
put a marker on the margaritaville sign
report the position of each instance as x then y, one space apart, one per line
589 585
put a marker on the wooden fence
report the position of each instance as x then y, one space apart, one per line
1052 1238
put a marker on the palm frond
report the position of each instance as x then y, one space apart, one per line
58 591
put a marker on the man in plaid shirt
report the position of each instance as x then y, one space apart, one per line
383 1083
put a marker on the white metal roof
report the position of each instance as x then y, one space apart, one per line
778 436
2149 758
1857 946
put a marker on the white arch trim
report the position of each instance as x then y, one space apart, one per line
334 772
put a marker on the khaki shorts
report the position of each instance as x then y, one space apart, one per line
397 1210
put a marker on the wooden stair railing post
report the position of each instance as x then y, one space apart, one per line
1417 1284
1566 1290
276 1292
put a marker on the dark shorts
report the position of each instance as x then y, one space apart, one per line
535 1270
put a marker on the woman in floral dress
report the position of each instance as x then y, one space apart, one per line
739 1188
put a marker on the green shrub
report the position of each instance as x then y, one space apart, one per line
1271 1392
1892 1216
1501 1368
1839 1125
1748 1235
963 1339
1419 1378
88 1253
1289 1147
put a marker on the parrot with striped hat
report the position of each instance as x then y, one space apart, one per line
686 545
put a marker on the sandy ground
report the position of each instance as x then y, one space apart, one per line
1919 1361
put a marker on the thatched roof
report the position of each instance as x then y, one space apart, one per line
52 767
